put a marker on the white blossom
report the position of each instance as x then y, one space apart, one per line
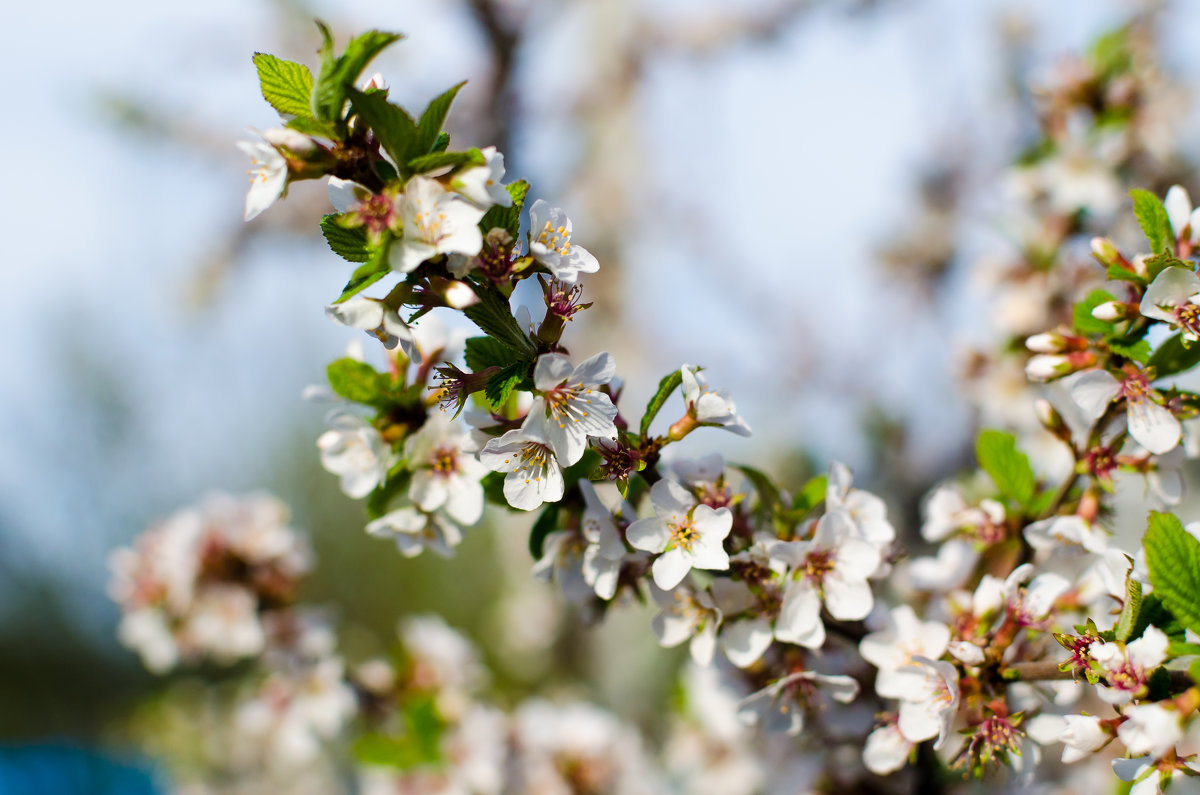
894 648
779 707
1151 424
436 221
569 406
480 185
867 511
376 318
534 474
268 176
886 750
446 474
947 512
550 244
708 406
686 534
1049 534
1127 667
414 531
1150 729
1081 735
605 550
687 613
928 709
353 450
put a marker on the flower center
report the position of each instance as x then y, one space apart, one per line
1188 316
818 564
557 239
428 223
375 213
1135 388
445 461
533 461
564 403
684 534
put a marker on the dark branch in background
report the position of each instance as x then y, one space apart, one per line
503 38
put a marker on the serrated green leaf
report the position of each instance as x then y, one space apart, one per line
321 129
393 127
1008 467
286 85
501 385
442 143
452 160
338 74
1174 356
666 387
1152 217
484 352
429 128
1082 315
349 244
356 381
508 218
1137 352
1173 557
494 316
1130 611
1160 262
546 524
366 274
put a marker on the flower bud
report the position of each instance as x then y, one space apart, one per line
1111 311
1047 342
1105 252
296 142
1047 367
1049 417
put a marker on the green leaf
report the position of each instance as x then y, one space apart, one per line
429 128
811 495
501 385
354 380
309 126
285 84
381 498
366 274
1173 557
494 316
508 218
485 352
349 244
1118 274
1173 356
338 74
442 142
1137 352
454 160
1160 262
770 499
395 129
669 383
1008 467
1152 217
1084 322
1193 671
1130 611
546 524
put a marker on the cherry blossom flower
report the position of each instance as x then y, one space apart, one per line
1127 667
268 176
562 561
1030 601
1150 776
534 474
1151 424
436 221
1052 533
894 648
605 549
446 474
377 213
710 407
353 450
550 244
1150 729
376 318
1081 735
480 185
569 406
687 613
1174 297
946 512
886 750
779 707
832 567
866 511
928 708
686 534
415 531
1185 222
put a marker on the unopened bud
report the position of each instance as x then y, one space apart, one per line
1111 311
1105 252
296 142
1047 342
1046 367
459 295
1048 416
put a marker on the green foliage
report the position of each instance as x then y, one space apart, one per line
1136 352
669 383
508 218
366 274
1084 322
1008 467
494 317
811 495
338 75
1160 262
1174 355
356 381
1130 611
484 352
454 160
417 744
1152 217
381 498
501 385
1118 274
349 244
1173 557
287 85
393 127
429 128
547 523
